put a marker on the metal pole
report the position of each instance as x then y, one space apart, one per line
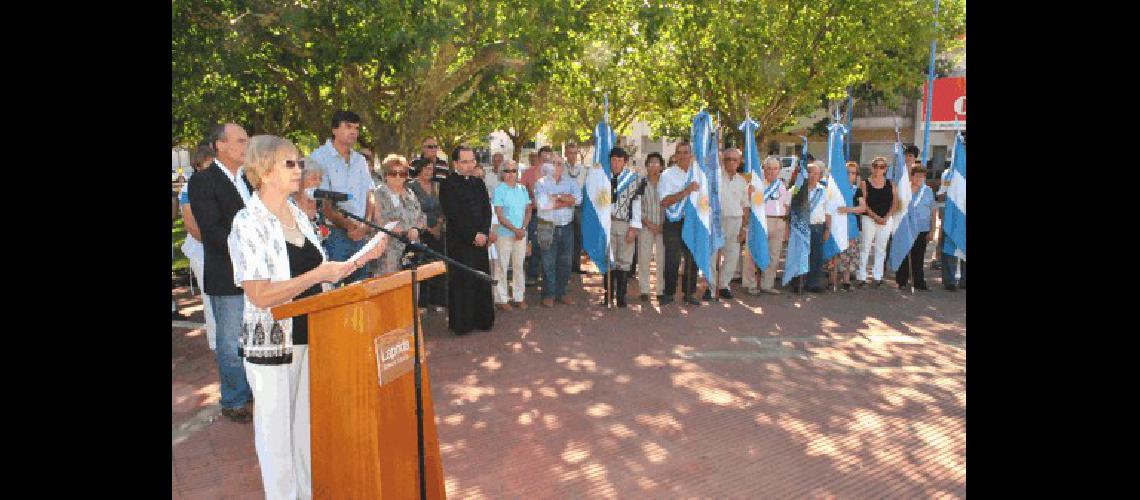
930 89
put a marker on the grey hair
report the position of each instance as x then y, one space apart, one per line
312 167
817 164
769 160
217 133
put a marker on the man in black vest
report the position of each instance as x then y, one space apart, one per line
217 193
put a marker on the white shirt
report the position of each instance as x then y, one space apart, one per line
243 190
672 181
491 180
733 195
945 181
545 190
827 205
258 252
578 173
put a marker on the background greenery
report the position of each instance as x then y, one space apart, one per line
460 69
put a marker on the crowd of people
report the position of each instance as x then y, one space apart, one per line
257 237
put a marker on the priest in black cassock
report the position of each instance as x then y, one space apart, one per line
467 208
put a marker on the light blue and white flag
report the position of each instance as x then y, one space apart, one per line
843 228
757 222
903 231
954 224
751 151
701 230
801 177
596 202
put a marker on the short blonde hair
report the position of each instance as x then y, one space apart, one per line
262 155
852 164
392 160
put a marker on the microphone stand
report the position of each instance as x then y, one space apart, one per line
424 249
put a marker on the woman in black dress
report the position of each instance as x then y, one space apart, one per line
463 198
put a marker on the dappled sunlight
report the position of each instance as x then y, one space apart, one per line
654 452
575 452
600 410
716 390
492 362
660 423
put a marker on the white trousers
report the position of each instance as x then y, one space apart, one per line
194 252
512 251
650 245
872 235
731 250
281 425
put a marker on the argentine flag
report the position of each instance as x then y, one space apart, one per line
596 202
701 229
757 222
954 225
843 228
902 227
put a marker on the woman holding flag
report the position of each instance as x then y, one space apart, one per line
844 263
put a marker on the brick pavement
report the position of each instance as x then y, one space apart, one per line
858 394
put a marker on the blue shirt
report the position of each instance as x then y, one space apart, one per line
514 202
921 210
352 178
545 190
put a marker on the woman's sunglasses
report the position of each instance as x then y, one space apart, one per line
295 164
401 173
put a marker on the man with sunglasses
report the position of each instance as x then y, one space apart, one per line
346 171
429 153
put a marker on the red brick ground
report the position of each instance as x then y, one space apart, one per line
858 394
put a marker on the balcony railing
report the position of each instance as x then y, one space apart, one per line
905 109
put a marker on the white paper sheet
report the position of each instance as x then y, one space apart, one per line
373 242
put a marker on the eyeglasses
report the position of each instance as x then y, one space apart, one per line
295 164
394 173
509 171
878 166
431 146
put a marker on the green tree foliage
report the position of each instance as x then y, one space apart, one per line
460 69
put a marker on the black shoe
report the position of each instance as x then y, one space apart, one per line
725 294
707 295
847 287
951 288
664 300
921 286
644 297
240 415
902 285
815 289
691 301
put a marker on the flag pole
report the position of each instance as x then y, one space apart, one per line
930 89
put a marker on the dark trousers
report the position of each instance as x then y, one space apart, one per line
815 260
950 264
533 262
917 253
433 291
674 249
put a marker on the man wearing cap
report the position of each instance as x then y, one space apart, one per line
626 189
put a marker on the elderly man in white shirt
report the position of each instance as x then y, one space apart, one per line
556 195
733 203
776 200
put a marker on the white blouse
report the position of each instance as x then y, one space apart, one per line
257 251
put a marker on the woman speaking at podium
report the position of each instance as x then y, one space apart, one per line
277 257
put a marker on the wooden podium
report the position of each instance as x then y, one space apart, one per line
362 391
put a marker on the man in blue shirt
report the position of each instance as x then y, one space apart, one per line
556 196
346 171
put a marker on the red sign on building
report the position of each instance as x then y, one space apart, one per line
949 102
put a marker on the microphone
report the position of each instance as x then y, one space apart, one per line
330 195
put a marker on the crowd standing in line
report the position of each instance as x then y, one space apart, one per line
258 238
